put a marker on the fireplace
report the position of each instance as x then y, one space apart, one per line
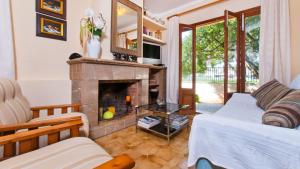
116 98
92 79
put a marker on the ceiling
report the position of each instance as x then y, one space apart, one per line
161 6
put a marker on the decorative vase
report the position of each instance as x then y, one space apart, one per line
94 47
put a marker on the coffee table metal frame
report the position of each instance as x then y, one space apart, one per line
164 114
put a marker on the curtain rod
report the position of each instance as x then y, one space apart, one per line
196 9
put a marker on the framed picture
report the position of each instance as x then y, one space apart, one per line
55 8
51 27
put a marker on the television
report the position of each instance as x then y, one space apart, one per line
151 53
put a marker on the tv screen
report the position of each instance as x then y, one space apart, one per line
151 51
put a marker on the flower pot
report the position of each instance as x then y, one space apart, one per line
94 47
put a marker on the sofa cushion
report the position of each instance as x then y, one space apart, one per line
14 108
285 113
270 93
74 153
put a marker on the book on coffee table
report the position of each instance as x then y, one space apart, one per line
148 121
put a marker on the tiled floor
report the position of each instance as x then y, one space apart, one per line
147 150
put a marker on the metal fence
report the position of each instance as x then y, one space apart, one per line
216 75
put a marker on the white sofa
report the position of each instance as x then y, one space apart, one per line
234 137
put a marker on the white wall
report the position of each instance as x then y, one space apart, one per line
295 36
41 63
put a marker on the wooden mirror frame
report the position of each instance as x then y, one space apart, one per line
114 33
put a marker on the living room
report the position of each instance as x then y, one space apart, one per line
149 84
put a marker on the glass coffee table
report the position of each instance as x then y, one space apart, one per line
166 114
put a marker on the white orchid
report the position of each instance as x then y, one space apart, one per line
91 25
99 21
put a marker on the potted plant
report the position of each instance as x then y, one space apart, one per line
91 29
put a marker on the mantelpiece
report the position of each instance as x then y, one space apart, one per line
112 62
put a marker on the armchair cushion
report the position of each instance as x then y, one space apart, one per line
14 107
72 153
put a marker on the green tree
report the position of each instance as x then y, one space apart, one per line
210 46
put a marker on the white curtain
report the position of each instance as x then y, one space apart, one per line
7 65
275 48
172 60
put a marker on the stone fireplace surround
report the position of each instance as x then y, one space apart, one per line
86 73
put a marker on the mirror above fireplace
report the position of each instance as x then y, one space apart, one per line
126 28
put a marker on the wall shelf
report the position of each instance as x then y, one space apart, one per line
153 25
151 39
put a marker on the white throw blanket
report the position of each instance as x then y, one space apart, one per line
234 143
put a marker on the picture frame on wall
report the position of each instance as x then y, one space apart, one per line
49 27
55 8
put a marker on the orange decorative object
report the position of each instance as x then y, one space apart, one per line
128 99
112 109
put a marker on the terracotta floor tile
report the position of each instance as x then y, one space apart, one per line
147 150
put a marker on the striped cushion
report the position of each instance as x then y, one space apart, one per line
73 153
285 113
270 93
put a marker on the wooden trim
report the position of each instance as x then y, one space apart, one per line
53 138
197 8
114 32
251 12
119 162
126 32
32 125
209 21
194 69
50 109
225 57
247 13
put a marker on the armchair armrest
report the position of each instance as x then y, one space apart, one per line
119 162
50 109
36 124
28 140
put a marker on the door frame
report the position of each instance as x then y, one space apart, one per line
239 75
192 91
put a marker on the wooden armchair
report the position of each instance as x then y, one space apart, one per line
28 142
15 109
